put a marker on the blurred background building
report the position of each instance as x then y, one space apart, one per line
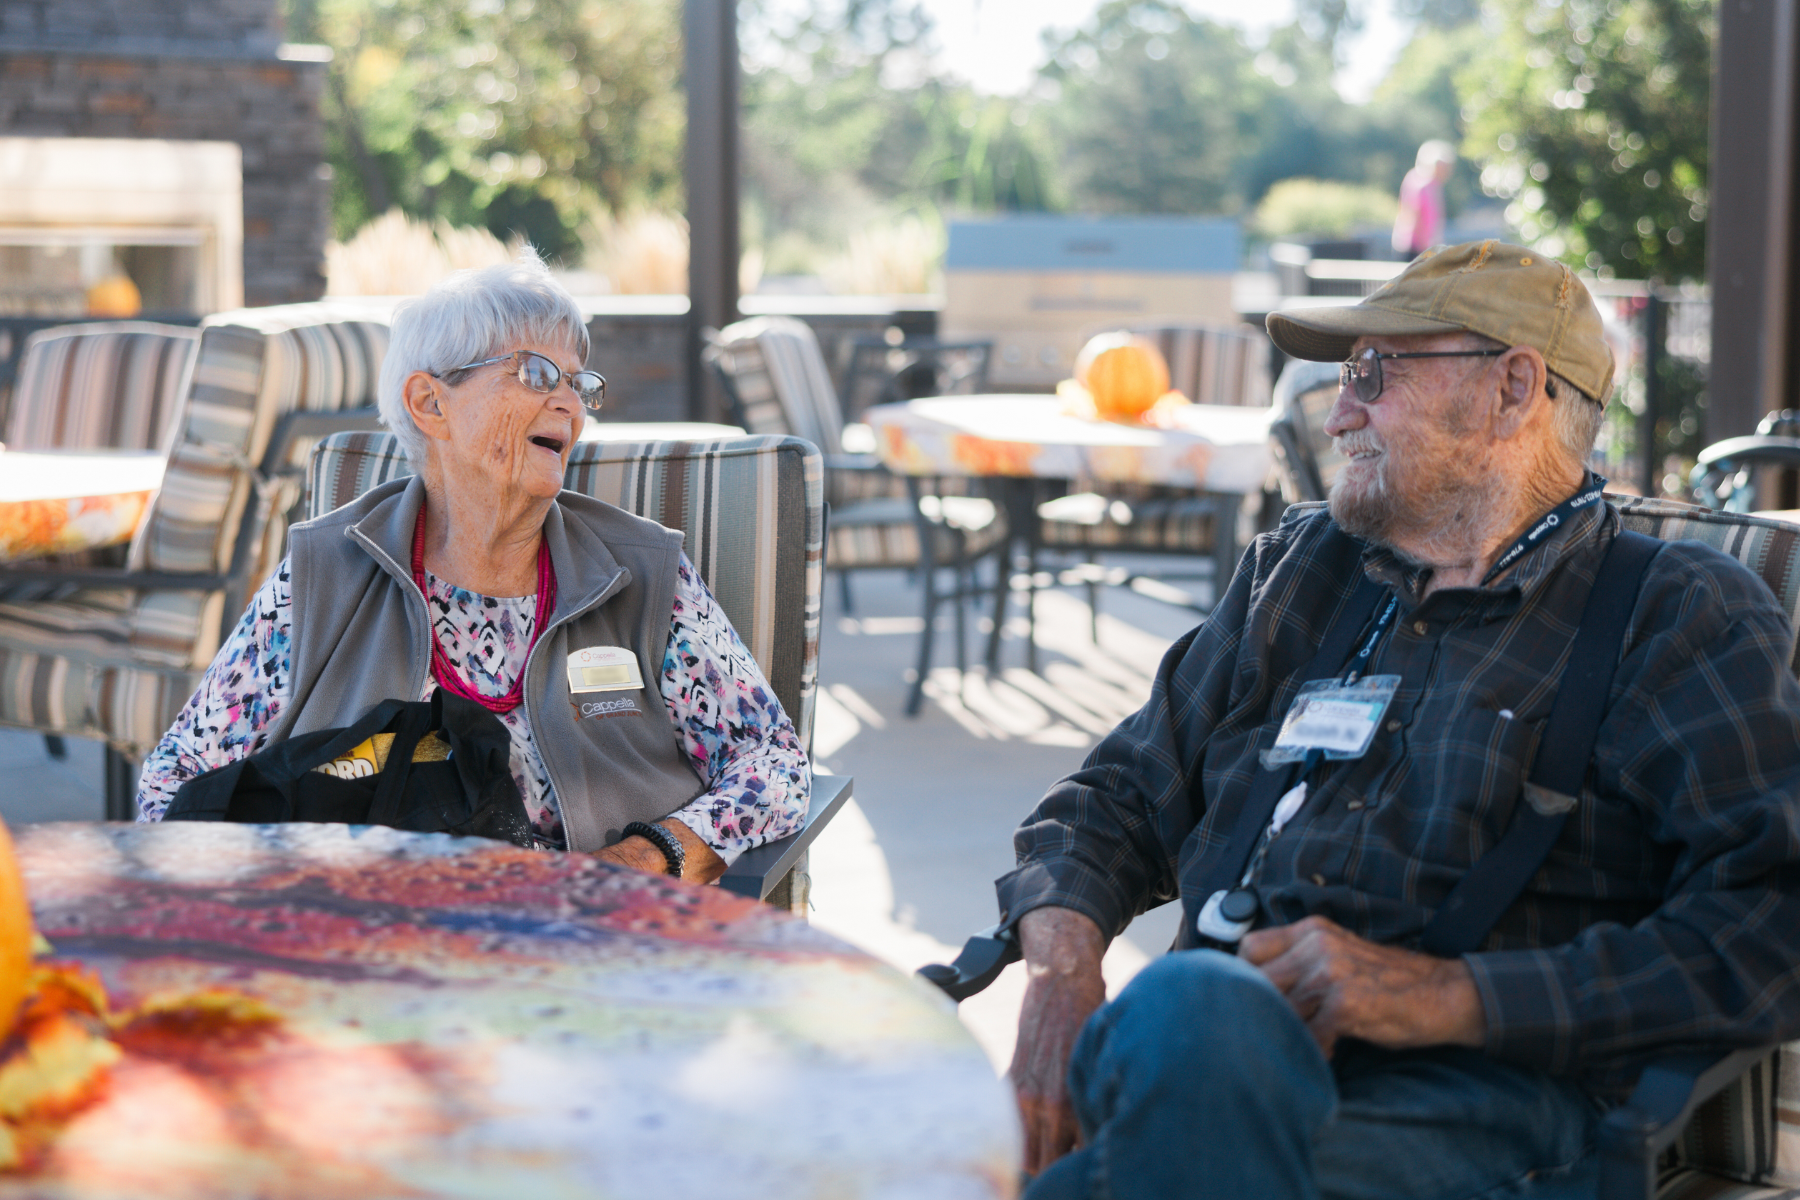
228 109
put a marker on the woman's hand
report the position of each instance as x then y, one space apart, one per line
702 863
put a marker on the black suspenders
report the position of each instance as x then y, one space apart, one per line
1498 878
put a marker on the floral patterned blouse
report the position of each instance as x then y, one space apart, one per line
725 717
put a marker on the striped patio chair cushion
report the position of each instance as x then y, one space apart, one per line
794 368
1688 1184
1311 390
752 510
119 665
102 385
1213 364
253 367
129 706
1771 549
759 406
66 667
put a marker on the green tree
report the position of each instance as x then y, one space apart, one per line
1590 117
525 116
1157 111
845 123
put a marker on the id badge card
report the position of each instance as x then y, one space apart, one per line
1336 719
604 669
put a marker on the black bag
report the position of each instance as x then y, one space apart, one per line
445 771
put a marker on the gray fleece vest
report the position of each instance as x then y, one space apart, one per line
362 635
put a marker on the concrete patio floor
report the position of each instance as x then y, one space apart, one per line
906 872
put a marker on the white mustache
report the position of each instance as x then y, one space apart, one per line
1357 441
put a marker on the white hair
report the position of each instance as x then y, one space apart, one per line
469 316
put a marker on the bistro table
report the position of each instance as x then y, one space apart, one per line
1213 447
60 501
461 1018
1020 438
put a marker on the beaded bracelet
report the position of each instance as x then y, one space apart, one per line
665 841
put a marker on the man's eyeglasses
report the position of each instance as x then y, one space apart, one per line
541 375
1362 374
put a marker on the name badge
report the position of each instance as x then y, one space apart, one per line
604 669
1335 719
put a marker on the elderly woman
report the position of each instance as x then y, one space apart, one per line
484 387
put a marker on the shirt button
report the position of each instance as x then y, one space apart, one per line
1354 805
1419 627
1393 726
1319 879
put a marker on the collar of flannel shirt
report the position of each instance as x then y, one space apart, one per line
1503 597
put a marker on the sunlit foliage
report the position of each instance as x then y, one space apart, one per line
1591 118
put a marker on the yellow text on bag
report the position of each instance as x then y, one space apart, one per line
368 758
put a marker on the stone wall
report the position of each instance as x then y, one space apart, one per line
212 70
253 25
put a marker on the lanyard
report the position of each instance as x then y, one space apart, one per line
1368 647
1296 796
1291 802
1589 494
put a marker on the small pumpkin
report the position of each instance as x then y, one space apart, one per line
16 935
1125 375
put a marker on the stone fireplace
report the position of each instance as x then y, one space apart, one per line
212 91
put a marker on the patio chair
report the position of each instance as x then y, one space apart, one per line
1306 462
98 385
1700 1125
1209 365
1725 473
114 652
777 382
101 385
753 514
886 372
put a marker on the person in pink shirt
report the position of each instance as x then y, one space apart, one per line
1419 225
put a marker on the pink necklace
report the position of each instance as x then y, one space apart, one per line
442 669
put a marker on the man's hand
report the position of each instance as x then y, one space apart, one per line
1343 986
1062 949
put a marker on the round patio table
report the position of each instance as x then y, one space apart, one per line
60 501
464 1018
1016 439
1216 448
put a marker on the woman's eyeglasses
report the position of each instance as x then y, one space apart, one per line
541 375
1362 374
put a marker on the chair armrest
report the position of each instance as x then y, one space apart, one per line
1668 1092
1760 447
312 423
756 872
112 577
982 959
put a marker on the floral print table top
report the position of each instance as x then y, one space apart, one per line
55 502
1214 447
464 1018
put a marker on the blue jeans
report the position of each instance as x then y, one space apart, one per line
1200 1080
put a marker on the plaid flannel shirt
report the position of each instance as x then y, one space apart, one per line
1667 917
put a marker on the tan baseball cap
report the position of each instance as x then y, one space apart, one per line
1504 292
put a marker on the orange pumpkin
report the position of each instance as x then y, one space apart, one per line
16 934
1124 374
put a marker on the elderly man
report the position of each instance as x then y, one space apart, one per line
1337 1023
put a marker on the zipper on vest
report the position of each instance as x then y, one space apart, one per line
534 693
